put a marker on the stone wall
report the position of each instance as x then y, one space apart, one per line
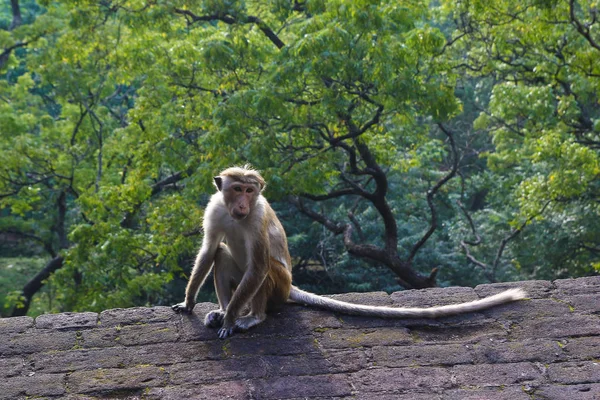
545 347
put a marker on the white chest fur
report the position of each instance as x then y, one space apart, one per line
237 234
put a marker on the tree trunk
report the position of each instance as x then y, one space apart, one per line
16 12
35 284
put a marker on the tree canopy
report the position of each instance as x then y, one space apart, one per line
406 144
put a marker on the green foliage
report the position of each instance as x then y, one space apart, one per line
540 115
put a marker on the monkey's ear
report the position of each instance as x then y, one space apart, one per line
218 182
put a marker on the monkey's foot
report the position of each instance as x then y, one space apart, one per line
182 308
214 319
247 322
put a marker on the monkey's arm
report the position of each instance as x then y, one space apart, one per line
248 288
202 266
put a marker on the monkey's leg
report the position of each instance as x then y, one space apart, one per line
273 292
227 275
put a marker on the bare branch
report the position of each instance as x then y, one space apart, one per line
434 190
158 187
514 234
584 30
368 251
473 260
465 245
206 18
328 196
35 284
267 31
331 225
26 235
228 19
355 222
471 224
6 53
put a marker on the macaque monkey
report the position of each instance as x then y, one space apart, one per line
245 244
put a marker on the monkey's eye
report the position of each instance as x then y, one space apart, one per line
249 190
237 189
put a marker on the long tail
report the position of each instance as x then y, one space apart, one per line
311 299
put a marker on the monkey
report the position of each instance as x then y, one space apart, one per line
245 245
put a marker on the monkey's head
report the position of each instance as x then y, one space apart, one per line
241 187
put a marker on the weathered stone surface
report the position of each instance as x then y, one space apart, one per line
504 351
37 341
433 297
401 379
583 348
567 392
525 310
309 386
486 375
15 325
574 287
255 346
130 335
410 395
545 347
348 338
67 321
370 299
192 326
136 315
11 366
347 360
495 393
571 325
584 303
534 289
79 360
406 356
106 381
575 372
225 390
288 321
33 385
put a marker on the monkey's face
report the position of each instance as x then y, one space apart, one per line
240 198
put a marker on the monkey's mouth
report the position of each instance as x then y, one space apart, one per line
238 216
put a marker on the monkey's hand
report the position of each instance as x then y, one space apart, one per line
183 307
228 326
226 331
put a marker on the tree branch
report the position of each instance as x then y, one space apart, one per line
6 53
584 30
434 190
228 19
25 235
368 251
331 225
16 12
267 31
512 235
35 284
328 196
127 221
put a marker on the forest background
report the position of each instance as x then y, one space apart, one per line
406 144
